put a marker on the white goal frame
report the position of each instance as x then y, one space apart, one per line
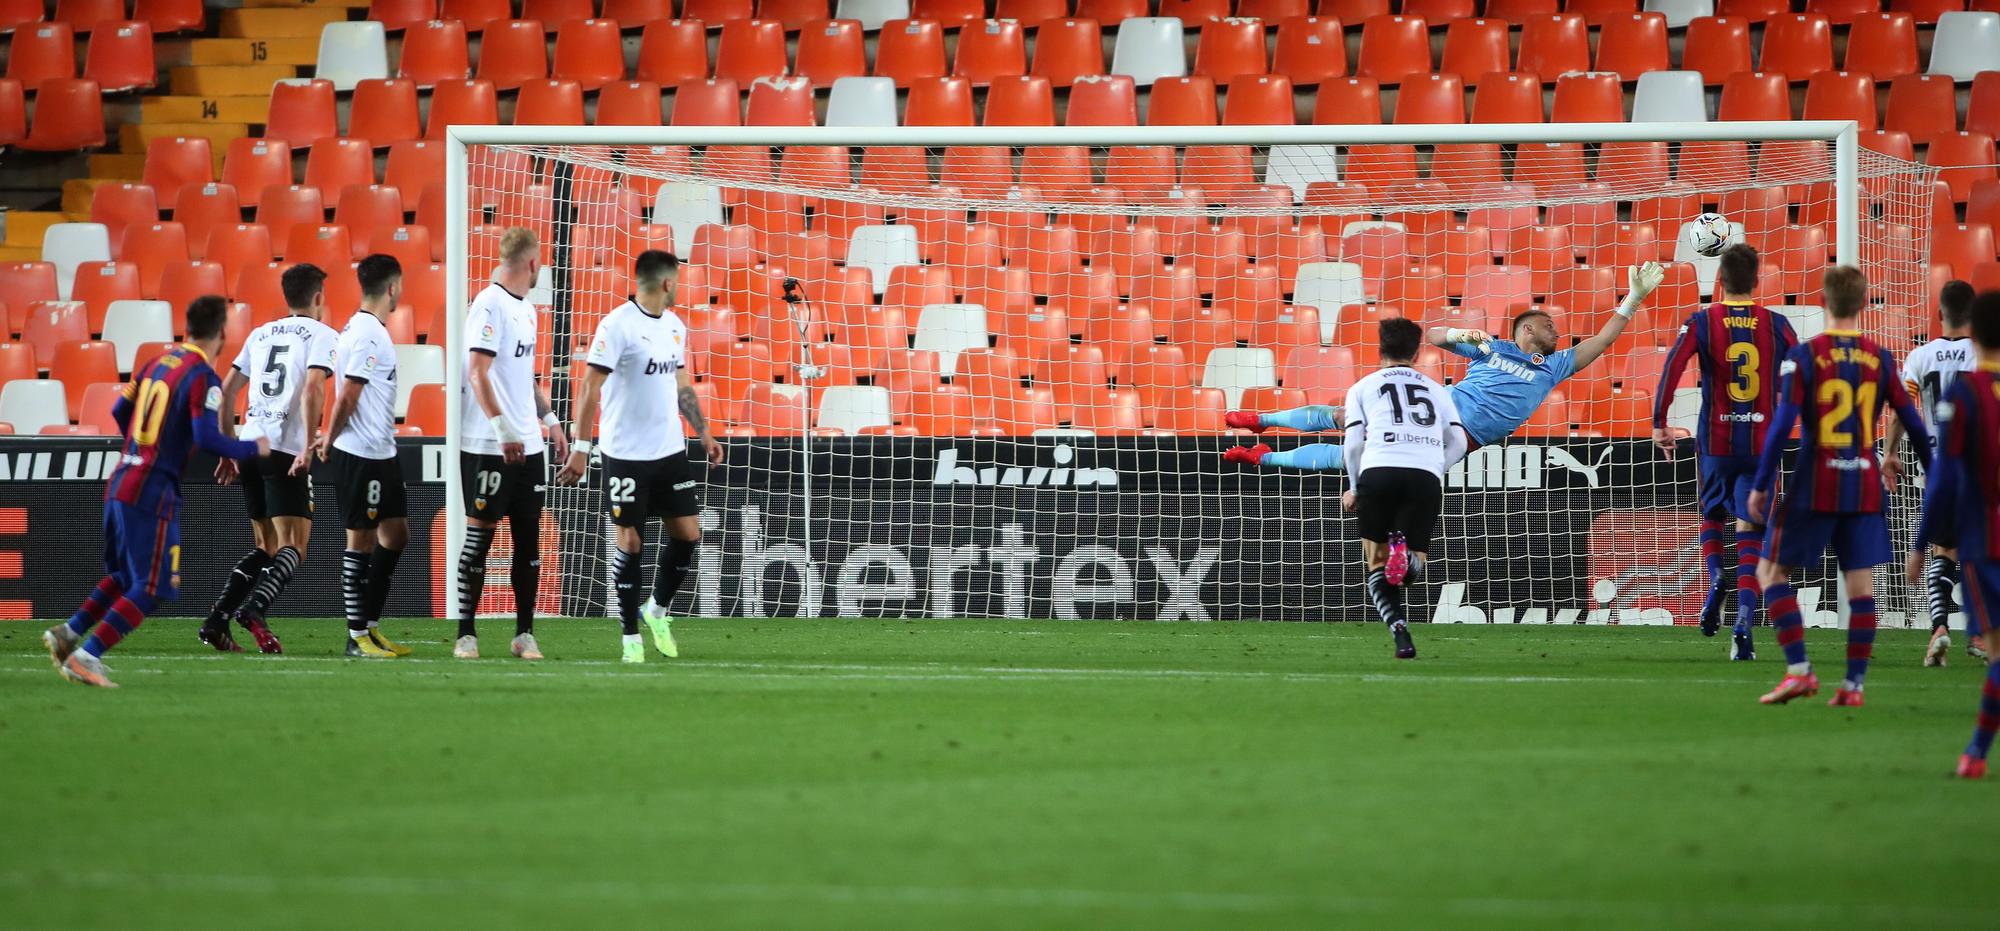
1844 136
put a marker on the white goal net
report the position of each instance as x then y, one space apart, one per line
1002 393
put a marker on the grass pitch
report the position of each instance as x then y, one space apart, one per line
987 774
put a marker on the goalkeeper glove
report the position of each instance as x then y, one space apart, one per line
1645 277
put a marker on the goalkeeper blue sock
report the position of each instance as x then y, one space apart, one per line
1319 457
1311 418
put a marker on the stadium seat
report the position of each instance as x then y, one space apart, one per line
368 211
949 329
554 102
1883 45
853 408
1229 47
1755 95
780 102
69 115
384 112
1588 98
1149 48
17 360
1393 48
1520 11
872 14
475 14
130 324
1716 46
1982 114
1473 47
1633 44
830 50
1111 12
1669 97
1507 97
714 102
68 245
1031 11
400 15
792 14
1755 11
289 206
202 207
1983 206
718 12
1554 46
511 52
1431 98
42 52
1323 373
328 247
949 13
33 405
237 246
1258 100
1681 12
589 52
910 50
1189 101
119 205
1598 12
629 103
1022 100
1470 170
80 364
302 113
1965 44
251 165
51 324
464 103
1962 160
1353 11
172 161
1549 166
750 49
673 53
97 284
881 249
1841 95
120 57
861 101
1348 101
350 52
170 16
1889 143
1922 105
13 113
416 365
1309 50
1235 370
1799 43
557 13
182 282
939 101
334 164
1962 246
1102 100
990 49
1066 49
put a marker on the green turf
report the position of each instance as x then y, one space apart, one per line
976 774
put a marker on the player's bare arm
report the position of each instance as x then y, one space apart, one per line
1644 278
315 411
585 427
343 411
546 410
226 470
479 375
691 409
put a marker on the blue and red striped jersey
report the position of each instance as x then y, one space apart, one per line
1965 479
1739 345
1839 382
169 409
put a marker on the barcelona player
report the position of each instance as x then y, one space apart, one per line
167 410
1838 381
1738 343
1965 481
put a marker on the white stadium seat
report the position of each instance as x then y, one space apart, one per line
687 207
872 13
949 329
67 245
862 102
1150 48
1296 166
880 249
1233 369
33 403
416 365
1681 12
1670 97
1966 44
128 324
850 408
352 52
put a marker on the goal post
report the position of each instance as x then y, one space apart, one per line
1001 393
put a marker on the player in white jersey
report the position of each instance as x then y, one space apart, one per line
1402 432
285 364
638 364
504 411
1928 375
362 438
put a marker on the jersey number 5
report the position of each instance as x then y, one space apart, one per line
1744 385
1420 411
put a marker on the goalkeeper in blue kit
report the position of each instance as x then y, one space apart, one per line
1506 382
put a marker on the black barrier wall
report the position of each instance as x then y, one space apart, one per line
1061 527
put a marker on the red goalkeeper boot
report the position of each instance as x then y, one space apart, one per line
1248 455
1971 767
1244 420
1845 698
1792 687
1398 565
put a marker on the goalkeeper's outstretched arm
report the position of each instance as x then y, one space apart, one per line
1645 277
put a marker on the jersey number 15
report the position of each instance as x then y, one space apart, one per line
1413 401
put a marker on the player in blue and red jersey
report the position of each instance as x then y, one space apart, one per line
1839 380
168 409
1964 494
1739 343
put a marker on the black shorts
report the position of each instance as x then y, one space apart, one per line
494 488
268 491
638 490
369 491
1388 500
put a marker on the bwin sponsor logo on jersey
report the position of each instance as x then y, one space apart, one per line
949 472
521 350
658 367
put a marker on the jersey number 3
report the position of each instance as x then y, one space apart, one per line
1744 385
1420 410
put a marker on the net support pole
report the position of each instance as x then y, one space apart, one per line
456 262
1847 195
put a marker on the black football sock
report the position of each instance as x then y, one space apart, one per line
472 576
526 574
676 561
625 579
354 586
381 570
1387 598
1940 574
276 576
241 580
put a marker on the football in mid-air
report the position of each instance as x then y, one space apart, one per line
1708 234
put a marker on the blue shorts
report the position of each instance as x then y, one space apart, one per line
1798 536
1726 483
1981 581
142 551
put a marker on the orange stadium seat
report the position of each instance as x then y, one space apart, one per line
1348 101
1020 100
1883 45
97 284
1259 99
1983 111
182 282
1188 101
170 16
630 13
1440 11
384 112
557 13
1842 12
1554 45
1431 98
286 207
629 103
1717 46
302 114
751 49
549 103
1632 44
238 246
949 13
475 14
201 208
1507 97
589 52
1799 43
832 49
1755 11
121 205
1066 49
49 324
1393 48
939 101
42 52
336 163
1963 247
780 102
252 165
368 210
17 361
79 365
1962 160
397 15
1229 47
1103 100
1922 105
1030 11
465 103
1309 50
1353 11
435 52
718 12
69 115
513 51
910 50
1588 98
412 165
152 247
991 49
1473 47
328 247
1111 12
1755 95
1516 11
172 161
673 52
1841 95
120 57
792 13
